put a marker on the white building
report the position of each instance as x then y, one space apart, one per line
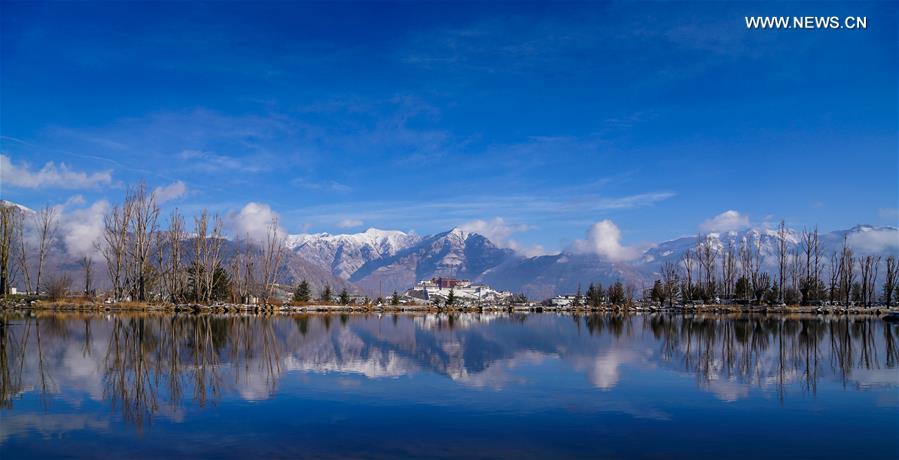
437 290
562 300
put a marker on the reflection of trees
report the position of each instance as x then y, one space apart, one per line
129 378
778 350
12 359
149 362
22 339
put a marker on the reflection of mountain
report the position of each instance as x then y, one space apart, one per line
154 365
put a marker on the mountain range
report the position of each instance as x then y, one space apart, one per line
377 262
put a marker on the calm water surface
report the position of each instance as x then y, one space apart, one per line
542 386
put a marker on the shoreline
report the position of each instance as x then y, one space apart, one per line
133 307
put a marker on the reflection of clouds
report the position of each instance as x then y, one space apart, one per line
500 373
81 370
255 386
48 425
476 351
728 390
377 364
603 370
870 378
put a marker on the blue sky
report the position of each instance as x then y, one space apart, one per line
539 120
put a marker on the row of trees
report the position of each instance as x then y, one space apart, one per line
146 263
303 293
21 255
596 296
803 275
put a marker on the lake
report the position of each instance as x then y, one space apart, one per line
438 386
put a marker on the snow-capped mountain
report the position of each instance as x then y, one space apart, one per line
545 276
541 277
863 239
381 261
343 255
24 209
455 253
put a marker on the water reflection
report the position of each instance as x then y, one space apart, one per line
145 366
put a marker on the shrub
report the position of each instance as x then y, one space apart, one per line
58 287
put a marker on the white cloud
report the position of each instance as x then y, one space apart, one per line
170 192
498 232
604 240
254 221
349 223
528 251
75 200
50 175
82 228
875 241
727 221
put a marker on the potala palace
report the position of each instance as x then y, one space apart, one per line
437 291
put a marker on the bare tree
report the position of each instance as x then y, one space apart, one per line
890 281
833 288
846 272
272 252
22 254
201 227
810 283
746 260
707 253
47 226
174 279
250 262
143 225
781 258
87 267
756 265
207 254
816 272
241 269
729 269
115 246
670 281
868 271
10 220
630 292
687 261
213 255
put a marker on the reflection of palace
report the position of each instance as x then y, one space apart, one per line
145 365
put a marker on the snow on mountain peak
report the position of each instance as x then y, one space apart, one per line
458 233
8 204
343 254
